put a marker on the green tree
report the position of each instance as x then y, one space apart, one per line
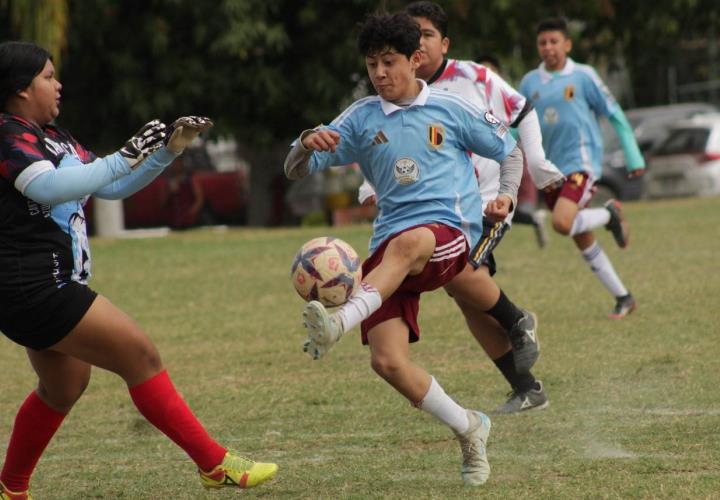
41 21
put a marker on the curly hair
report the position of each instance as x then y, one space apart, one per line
397 31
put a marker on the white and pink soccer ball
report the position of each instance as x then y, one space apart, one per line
326 269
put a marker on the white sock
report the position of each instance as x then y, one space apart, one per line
366 301
603 269
441 406
588 219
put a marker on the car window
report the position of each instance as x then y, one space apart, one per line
685 140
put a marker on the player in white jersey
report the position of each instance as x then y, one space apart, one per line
506 332
527 211
569 97
408 141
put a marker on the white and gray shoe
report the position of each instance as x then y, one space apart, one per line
323 329
473 442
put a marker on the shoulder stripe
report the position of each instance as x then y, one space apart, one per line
31 172
361 103
473 109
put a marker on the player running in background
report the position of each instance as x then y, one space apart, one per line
506 332
408 141
569 97
46 176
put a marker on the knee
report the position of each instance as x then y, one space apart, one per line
562 226
148 357
385 366
405 246
63 398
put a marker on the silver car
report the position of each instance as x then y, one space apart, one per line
687 162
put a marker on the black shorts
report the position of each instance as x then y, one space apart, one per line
482 252
41 326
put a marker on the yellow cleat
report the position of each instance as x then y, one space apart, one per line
6 494
238 472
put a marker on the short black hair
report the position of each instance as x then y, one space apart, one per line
20 62
489 58
553 24
431 11
396 31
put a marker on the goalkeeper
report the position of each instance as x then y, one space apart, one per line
46 176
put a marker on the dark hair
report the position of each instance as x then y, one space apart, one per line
553 24
489 58
397 31
432 12
20 62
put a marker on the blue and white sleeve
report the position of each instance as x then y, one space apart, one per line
139 178
73 182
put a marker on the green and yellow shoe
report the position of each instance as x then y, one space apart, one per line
238 472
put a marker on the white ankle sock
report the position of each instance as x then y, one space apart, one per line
444 408
366 301
603 269
588 219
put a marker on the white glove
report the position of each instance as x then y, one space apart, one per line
184 130
144 143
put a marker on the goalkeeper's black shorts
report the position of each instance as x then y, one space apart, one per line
482 252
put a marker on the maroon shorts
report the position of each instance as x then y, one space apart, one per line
449 258
577 187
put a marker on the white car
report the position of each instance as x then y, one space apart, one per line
687 162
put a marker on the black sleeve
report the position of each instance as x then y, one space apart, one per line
523 113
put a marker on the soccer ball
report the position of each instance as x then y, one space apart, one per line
326 269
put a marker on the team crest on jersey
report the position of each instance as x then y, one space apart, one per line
569 92
551 116
436 135
406 171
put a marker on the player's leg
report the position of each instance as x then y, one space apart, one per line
476 288
106 337
390 359
406 254
61 381
568 219
600 265
526 392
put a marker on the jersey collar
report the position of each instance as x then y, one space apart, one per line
388 107
546 76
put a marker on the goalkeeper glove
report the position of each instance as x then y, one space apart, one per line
144 143
184 130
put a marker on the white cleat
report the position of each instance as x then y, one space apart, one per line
323 329
475 468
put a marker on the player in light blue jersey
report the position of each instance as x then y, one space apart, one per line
412 143
569 97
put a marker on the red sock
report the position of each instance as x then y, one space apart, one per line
35 425
160 403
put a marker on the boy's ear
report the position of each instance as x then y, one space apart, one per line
415 59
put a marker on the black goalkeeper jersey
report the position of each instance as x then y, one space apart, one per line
42 248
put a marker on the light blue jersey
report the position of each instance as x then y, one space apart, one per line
417 157
568 104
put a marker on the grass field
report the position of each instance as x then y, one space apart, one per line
635 404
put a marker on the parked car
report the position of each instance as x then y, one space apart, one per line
687 163
651 126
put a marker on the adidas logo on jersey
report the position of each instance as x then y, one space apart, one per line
380 138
